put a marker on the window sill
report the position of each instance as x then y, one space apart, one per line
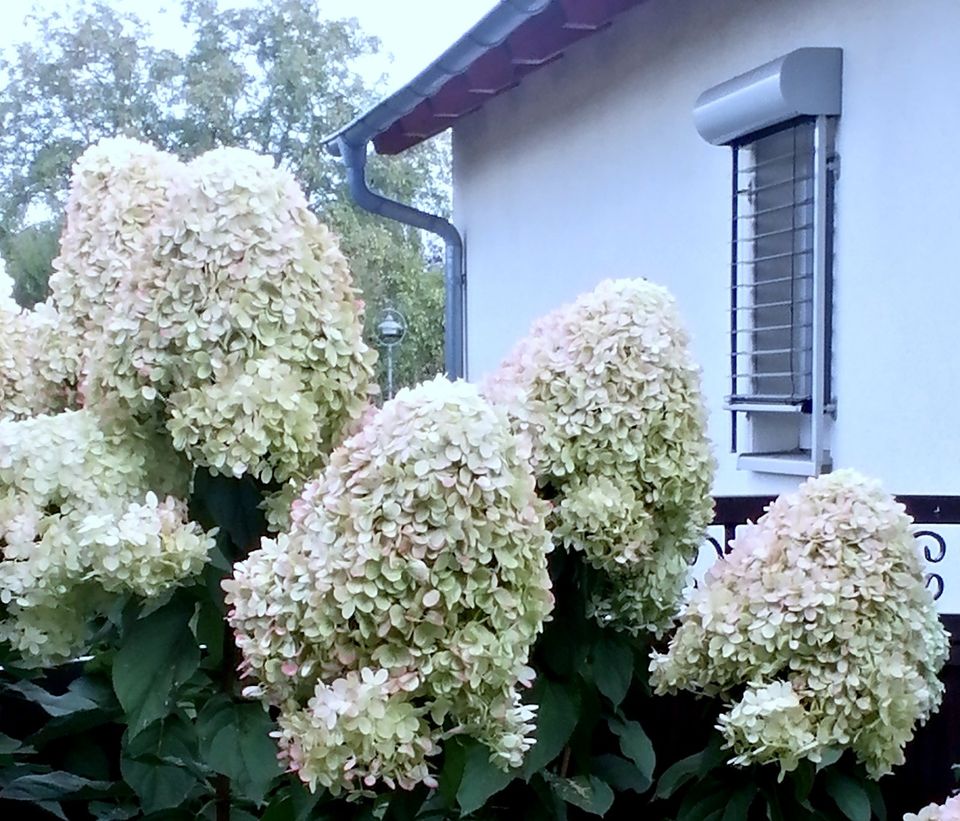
788 463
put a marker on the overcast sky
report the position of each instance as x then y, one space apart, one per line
412 32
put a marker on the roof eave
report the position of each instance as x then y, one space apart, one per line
485 36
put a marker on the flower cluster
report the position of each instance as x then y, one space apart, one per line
821 611
34 372
948 811
244 323
79 519
117 191
207 295
608 397
402 604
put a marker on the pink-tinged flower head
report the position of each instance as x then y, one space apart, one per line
821 613
208 295
607 399
405 596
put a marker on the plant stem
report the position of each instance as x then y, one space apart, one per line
222 783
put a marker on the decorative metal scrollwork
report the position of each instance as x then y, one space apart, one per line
716 546
933 552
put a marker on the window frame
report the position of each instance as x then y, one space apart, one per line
810 418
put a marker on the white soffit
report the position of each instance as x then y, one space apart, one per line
805 82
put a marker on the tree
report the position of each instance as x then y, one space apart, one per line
274 77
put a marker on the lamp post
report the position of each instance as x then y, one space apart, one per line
391 328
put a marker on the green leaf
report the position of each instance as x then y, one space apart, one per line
620 774
235 741
481 779
158 654
70 726
877 804
78 697
635 745
738 807
405 805
9 745
829 757
556 721
588 793
112 812
849 796
52 786
233 505
210 627
774 810
451 774
677 775
698 764
613 669
802 778
159 786
295 804
52 807
172 740
704 799
160 763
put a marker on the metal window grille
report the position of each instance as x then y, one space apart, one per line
773 254
781 274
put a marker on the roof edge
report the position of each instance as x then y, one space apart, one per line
487 34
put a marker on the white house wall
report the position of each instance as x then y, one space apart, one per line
591 168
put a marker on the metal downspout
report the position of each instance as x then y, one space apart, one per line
454 276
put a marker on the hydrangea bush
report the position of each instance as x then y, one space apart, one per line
818 629
198 380
401 606
195 308
607 396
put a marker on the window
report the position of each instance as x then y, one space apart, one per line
780 120
781 276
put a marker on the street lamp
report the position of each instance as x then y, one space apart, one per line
391 328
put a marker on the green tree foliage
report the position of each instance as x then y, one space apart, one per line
274 77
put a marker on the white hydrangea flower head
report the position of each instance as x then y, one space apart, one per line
822 611
608 397
118 188
36 375
245 323
89 505
402 603
948 811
